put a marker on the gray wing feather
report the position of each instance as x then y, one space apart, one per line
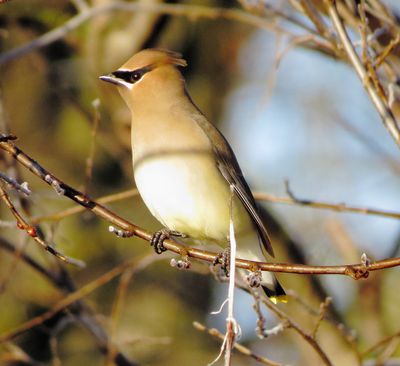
233 175
230 170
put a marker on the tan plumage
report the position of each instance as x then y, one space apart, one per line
183 166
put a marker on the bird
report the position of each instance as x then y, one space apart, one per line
184 168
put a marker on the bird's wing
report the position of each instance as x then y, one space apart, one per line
230 170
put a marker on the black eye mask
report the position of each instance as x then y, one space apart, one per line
131 77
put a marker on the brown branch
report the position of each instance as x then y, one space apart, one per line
346 333
387 50
260 196
78 209
323 307
33 233
356 271
242 349
382 108
338 207
379 344
18 252
77 295
6 245
292 199
267 10
20 187
117 309
290 324
192 12
315 17
63 282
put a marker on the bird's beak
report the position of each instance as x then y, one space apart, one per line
110 78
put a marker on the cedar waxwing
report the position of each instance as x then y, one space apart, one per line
183 166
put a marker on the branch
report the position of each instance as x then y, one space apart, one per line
77 295
290 324
356 271
78 209
33 233
384 111
20 187
63 282
379 344
6 245
242 349
190 11
259 196
338 207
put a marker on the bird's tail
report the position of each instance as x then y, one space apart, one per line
248 248
273 288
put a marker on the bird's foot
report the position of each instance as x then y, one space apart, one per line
254 278
157 240
223 259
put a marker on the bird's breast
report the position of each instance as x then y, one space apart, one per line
187 193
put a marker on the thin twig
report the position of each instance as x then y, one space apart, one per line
61 280
187 10
347 334
338 207
116 311
384 111
292 199
9 247
260 196
33 233
77 295
18 252
21 187
289 323
387 50
379 344
80 5
115 197
237 346
321 316
314 16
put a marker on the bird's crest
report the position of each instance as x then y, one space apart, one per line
154 57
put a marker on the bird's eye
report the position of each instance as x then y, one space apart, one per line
135 76
130 77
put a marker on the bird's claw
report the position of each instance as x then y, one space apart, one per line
223 259
157 240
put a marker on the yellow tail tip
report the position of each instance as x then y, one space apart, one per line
282 298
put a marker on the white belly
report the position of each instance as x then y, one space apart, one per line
188 194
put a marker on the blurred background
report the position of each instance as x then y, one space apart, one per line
291 113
